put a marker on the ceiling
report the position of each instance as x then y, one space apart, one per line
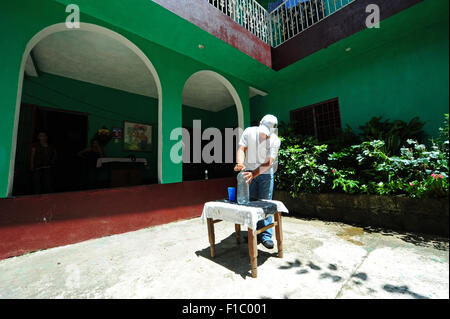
98 59
154 19
152 22
206 92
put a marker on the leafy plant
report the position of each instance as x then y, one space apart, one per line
415 166
305 166
345 181
442 140
444 130
394 134
345 138
301 167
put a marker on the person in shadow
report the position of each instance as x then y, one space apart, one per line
90 155
42 159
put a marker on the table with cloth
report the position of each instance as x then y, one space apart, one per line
123 171
246 215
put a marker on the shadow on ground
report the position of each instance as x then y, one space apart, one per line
329 273
403 290
423 240
417 239
325 272
234 256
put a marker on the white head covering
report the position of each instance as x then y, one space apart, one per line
268 123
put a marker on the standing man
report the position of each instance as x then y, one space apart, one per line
257 156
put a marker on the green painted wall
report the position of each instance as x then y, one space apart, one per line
150 21
109 107
20 21
221 119
400 78
399 70
106 107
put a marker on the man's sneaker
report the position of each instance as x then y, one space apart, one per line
268 244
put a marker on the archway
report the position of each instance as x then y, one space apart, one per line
211 107
109 36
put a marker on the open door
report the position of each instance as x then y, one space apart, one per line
67 133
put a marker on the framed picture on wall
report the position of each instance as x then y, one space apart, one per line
137 137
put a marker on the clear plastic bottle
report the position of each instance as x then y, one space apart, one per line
243 190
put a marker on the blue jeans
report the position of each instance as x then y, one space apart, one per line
262 188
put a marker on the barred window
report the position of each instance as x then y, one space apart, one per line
321 120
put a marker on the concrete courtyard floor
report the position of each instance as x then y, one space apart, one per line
321 260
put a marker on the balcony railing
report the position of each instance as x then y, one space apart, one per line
286 21
294 16
249 14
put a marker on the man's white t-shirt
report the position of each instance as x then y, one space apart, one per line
259 152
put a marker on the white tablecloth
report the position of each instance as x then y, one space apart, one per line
238 214
103 160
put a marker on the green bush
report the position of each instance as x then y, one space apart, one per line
393 134
306 166
301 166
443 133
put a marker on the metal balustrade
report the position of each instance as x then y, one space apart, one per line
286 21
248 13
294 16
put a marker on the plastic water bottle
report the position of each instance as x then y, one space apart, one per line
243 191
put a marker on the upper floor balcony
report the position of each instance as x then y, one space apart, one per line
279 25
287 33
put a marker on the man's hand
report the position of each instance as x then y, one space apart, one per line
239 167
249 176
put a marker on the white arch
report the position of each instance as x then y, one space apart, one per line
231 89
59 27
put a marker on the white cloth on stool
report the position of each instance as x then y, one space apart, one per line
239 214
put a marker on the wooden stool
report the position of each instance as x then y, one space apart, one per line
252 242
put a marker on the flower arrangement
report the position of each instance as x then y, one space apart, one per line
103 136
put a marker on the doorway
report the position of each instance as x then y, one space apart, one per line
197 171
67 132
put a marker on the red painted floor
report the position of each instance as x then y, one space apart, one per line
32 223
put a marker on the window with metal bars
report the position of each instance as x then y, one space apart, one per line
321 120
